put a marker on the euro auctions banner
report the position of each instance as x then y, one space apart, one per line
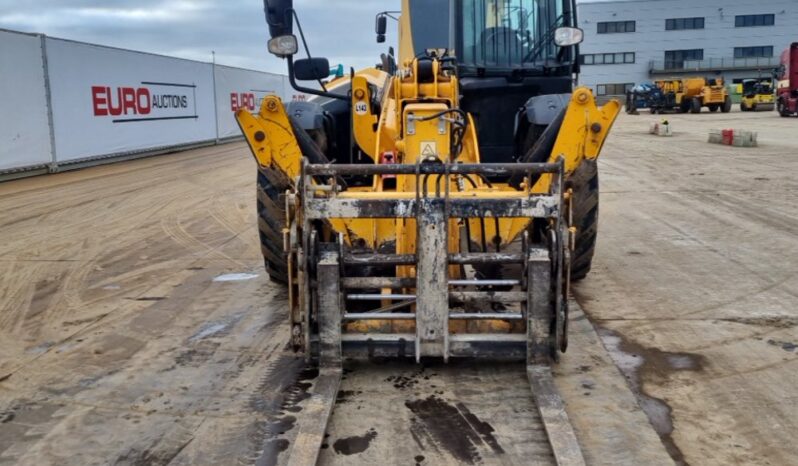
109 101
236 89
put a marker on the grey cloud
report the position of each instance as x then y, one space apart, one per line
342 30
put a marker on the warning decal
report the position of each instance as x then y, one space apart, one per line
429 148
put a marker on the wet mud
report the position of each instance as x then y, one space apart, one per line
356 444
453 428
639 364
278 401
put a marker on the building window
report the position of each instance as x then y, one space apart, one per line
611 27
744 21
614 89
677 24
751 52
608 58
674 59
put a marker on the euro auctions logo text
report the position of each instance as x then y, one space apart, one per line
148 102
248 100
241 100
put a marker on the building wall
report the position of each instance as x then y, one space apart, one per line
650 39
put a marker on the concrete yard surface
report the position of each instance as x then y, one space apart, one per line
138 326
695 282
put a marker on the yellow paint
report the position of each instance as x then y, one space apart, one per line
363 118
695 87
398 129
271 137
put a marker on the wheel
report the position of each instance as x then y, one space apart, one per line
585 183
713 108
631 105
653 110
271 207
743 107
695 106
726 105
782 109
271 221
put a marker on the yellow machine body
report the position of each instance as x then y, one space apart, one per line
416 122
757 95
273 143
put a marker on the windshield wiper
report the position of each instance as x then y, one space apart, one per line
545 40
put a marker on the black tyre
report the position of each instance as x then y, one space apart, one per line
271 207
726 108
585 183
271 221
743 106
695 106
713 108
782 109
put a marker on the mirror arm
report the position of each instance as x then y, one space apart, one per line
308 90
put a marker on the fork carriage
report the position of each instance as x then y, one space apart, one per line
429 302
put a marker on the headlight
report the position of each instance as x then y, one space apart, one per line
283 46
566 36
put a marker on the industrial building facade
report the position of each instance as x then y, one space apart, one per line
628 42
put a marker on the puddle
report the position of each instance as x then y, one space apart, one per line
216 327
208 331
40 348
66 346
638 363
235 277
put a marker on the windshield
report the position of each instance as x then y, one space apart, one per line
509 34
429 21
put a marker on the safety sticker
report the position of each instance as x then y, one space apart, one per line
361 108
429 148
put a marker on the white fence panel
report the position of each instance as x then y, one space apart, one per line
238 88
24 126
109 101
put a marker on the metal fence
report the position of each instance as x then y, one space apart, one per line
713 64
117 104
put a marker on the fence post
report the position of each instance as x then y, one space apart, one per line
215 97
53 167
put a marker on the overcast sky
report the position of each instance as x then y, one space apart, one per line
341 30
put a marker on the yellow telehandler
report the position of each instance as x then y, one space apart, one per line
439 204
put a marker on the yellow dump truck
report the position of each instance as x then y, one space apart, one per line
690 94
704 92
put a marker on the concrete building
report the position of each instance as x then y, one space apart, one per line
633 41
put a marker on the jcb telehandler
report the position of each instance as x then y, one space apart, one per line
440 204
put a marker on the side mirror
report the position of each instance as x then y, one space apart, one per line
283 46
381 27
279 17
567 36
311 69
